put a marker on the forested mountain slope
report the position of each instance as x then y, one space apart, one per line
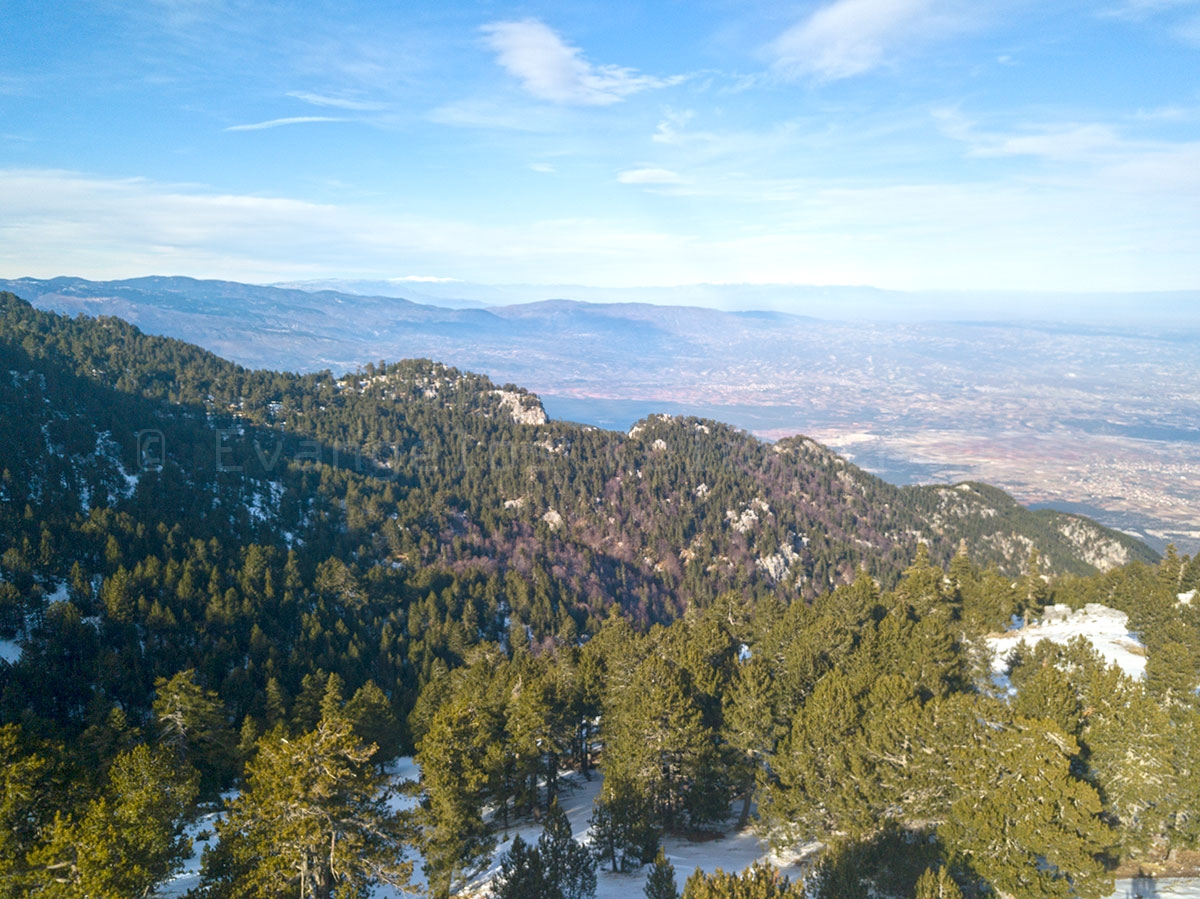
415 474
200 559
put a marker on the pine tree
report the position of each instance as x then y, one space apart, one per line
655 737
1022 822
522 874
838 874
660 884
759 881
623 829
458 757
937 885
27 803
312 818
371 716
128 840
750 727
1132 760
570 869
191 722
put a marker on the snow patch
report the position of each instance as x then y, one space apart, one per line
1106 629
263 505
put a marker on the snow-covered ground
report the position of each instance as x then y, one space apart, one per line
10 650
733 851
1167 888
203 833
1106 629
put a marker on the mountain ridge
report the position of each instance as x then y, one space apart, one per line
1026 406
691 448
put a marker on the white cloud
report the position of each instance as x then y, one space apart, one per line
1102 232
1180 16
551 69
1166 114
1189 31
649 175
1101 159
544 167
56 222
337 102
11 85
276 123
850 37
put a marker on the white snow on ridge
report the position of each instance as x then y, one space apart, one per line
1106 629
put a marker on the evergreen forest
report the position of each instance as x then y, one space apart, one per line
248 592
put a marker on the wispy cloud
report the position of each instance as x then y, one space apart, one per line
1030 236
1144 9
1181 17
551 69
1189 31
337 102
1058 141
850 37
544 168
673 129
1070 141
112 228
1095 154
11 85
480 114
649 175
291 120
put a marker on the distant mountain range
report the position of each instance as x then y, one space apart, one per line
1083 417
1177 308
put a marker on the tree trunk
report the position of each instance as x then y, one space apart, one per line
744 817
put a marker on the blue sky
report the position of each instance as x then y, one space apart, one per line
904 144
